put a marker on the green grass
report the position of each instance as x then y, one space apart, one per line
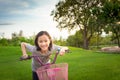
83 65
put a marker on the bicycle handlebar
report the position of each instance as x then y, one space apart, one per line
39 60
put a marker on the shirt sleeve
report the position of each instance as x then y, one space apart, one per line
30 47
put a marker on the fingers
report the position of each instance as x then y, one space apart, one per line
62 51
25 57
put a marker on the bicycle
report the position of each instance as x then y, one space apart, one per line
51 71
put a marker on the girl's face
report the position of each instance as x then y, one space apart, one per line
43 42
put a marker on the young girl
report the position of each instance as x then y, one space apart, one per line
43 48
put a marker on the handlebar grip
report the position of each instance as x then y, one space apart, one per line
58 50
22 58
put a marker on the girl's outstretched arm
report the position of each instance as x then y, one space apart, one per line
24 51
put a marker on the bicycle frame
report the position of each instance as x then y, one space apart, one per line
51 71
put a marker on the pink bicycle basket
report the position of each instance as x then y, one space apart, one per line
53 72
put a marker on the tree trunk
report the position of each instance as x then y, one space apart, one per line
117 37
85 40
118 40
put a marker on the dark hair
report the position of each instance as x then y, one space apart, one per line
40 34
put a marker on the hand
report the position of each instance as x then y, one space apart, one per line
25 57
62 51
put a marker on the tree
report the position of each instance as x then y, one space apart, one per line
2 35
20 33
73 14
75 40
111 16
14 35
3 42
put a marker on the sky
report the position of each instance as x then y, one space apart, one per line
30 16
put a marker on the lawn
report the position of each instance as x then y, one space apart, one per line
83 65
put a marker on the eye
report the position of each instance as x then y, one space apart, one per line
46 40
40 41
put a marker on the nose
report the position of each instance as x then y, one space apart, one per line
43 43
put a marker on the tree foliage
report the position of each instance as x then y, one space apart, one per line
72 14
90 16
111 16
75 40
16 39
